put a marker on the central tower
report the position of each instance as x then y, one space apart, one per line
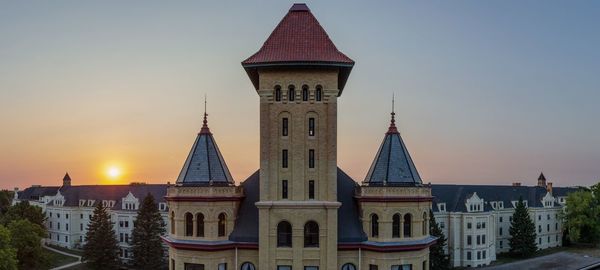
298 74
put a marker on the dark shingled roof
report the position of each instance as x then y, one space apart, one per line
205 164
542 177
99 193
455 196
392 164
35 192
299 41
349 226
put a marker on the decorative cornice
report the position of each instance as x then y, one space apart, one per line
203 199
394 199
384 248
209 246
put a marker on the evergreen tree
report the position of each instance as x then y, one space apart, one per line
148 252
522 231
101 250
438 259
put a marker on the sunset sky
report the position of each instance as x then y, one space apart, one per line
113 91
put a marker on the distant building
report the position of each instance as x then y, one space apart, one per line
69 209
476 218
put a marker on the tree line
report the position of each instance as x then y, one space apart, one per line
22 228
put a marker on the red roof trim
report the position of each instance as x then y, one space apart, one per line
203 199
386 248
205 247
394 199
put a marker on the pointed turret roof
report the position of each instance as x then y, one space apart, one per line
67 177
542 177
205 164
393 164
299 40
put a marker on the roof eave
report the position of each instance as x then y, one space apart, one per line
345 69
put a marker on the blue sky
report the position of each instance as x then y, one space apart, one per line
488 92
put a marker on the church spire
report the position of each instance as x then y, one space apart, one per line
392 164
205 129
205 164
393 129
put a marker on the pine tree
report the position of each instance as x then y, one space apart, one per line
148 252
101 250
522 231
438 259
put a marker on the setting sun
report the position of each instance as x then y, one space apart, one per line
113 172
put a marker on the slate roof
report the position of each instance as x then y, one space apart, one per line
205 164
392 164
299 40
455 196
542 177
33 193
98 193
67 177
349 226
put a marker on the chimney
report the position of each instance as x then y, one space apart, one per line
549 187
516 184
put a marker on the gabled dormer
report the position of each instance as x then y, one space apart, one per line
474 203
548 200
59 199
130 202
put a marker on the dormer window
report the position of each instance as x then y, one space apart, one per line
90 203
162 206
81 203
500 205
442 207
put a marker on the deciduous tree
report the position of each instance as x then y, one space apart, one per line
8 254
26 238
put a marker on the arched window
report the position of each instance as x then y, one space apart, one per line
407 225
374 225
396 226
172 222
247 266
348 266
284 234
318 93
425 224
189 224
199 225
305 93
222 221
291 93
311 234
277 93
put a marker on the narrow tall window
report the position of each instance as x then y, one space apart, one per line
189 224
284 158
311 189
304 93
311 126
199 225
291 93
318 93
222 222
311 158
172 222
284 127
374 225
311 234
284 234
284 189
278 93
396 226
407 225
425 224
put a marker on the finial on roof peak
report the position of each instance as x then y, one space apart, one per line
299 7
392 129
205 129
